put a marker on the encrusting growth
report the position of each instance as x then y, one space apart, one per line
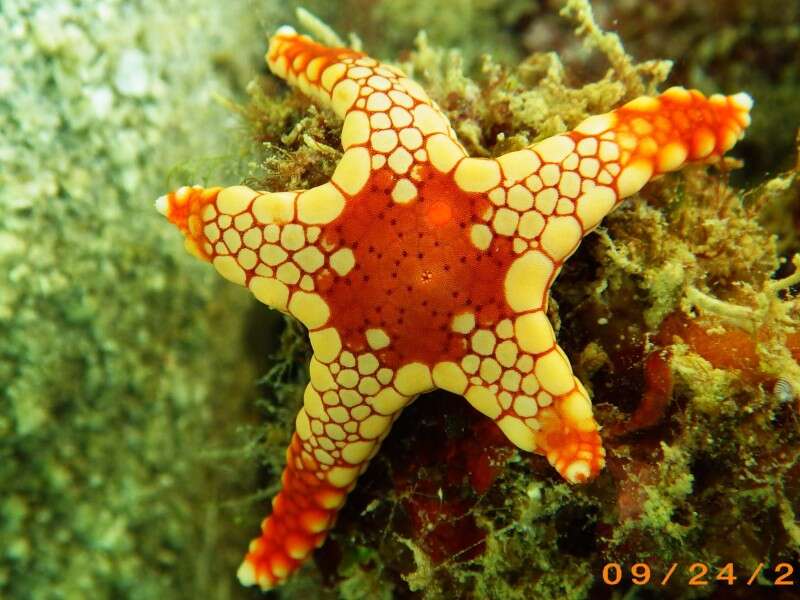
418 267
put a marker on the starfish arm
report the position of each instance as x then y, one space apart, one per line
516 375
347 412
266 241
389 120
558 190
546 198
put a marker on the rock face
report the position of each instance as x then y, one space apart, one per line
106 389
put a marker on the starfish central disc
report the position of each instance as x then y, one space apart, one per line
415 269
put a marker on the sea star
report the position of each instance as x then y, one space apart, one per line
417 267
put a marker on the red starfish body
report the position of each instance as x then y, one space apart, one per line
418 267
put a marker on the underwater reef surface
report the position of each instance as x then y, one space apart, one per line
133 460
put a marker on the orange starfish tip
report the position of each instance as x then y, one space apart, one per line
246 573
285 30
186 208
162 205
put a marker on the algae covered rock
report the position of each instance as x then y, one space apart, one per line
114 376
